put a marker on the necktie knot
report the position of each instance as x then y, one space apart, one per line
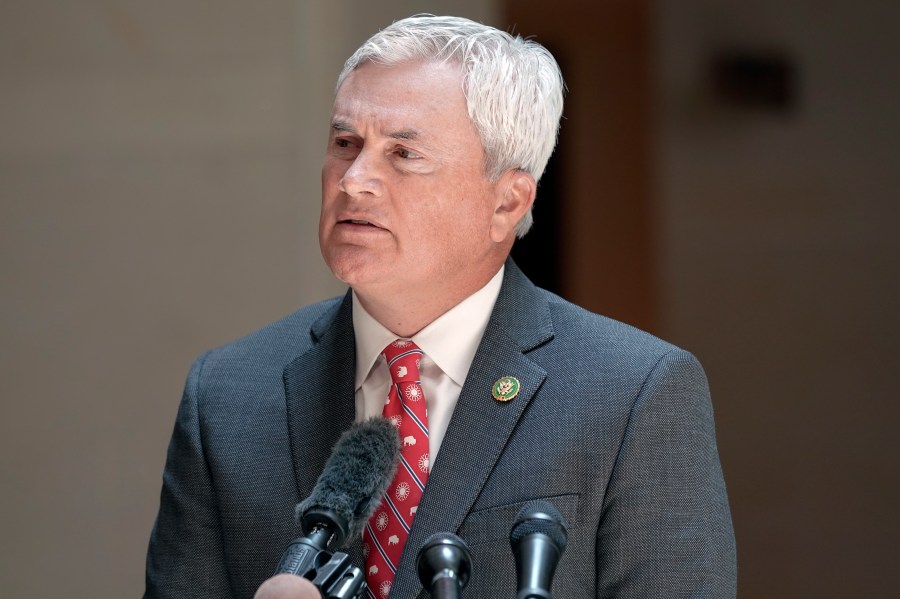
403 357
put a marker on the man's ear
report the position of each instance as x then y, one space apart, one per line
515 195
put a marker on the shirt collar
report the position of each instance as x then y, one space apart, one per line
450 341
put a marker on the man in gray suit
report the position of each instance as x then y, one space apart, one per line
440 130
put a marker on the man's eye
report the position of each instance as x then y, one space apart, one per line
406 153
344 147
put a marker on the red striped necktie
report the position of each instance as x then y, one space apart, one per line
386 533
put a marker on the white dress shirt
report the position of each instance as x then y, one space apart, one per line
449 344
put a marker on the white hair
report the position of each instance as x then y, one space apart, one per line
513 87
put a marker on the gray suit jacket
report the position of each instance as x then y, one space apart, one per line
612 425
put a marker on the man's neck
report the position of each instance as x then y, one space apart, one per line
407 314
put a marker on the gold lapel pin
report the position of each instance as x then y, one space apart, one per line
505 388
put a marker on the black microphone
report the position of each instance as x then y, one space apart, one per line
538 539
444 565
345 496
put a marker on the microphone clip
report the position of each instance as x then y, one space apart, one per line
309 557
331 573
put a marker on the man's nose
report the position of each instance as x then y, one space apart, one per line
362 177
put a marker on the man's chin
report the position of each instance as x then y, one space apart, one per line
356 272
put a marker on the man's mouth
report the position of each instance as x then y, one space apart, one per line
361 222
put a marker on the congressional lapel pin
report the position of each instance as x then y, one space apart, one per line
505 388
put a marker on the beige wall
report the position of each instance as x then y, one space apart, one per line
159 168
781 263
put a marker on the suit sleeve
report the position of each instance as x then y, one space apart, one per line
665 529
185 557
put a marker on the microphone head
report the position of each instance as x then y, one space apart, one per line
444 555
539 516
354 479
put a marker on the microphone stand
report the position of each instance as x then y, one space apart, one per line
445 585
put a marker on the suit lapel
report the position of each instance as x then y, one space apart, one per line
480 426
319 392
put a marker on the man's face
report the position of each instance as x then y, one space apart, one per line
406 204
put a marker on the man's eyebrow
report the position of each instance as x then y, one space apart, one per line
342 127
406 135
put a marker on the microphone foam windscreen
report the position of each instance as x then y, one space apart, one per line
357 474
539 517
